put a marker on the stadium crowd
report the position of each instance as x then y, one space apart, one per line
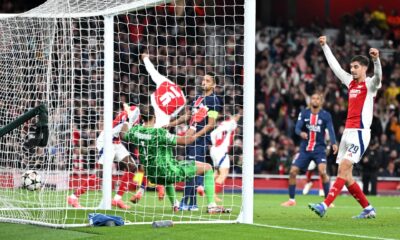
290 66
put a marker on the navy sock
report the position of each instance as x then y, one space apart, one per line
292 191
326 188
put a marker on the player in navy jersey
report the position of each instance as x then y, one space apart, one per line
357 133
311 126
203 114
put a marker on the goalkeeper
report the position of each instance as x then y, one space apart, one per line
155 149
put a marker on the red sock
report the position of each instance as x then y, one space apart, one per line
218 187
123 186
309 175
358 194
90 181
334 191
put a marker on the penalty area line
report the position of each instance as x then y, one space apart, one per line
321 232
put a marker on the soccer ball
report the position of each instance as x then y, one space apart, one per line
31 180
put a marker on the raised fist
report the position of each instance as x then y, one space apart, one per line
322 40
374 53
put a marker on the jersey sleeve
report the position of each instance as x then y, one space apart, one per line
214 108
299 123
376 81
134 117
343 76
329 125
154 74
129 136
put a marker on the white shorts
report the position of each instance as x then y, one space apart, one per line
220 158
119 152
353 144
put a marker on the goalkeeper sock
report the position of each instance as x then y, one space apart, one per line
209 185
171 193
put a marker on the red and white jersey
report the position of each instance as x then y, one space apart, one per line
361 94
132 117
222 136
168 99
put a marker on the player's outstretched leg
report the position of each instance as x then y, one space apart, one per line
357 193
123 187
318 208
366 213
170 189
73 199
160 192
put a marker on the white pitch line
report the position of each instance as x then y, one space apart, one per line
322 232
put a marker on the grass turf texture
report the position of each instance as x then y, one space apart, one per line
271 222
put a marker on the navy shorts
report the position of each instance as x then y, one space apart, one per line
304 158
196 153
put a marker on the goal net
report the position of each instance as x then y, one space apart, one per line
82 59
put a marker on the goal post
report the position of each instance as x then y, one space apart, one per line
83 60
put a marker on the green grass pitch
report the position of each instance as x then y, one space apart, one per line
271 221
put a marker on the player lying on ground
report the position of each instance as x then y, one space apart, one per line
155 150
131 116
357 133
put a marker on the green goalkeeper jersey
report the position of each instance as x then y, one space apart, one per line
155 153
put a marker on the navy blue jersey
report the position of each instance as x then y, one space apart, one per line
315 125
212 104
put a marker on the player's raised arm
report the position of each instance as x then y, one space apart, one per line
189 138
377 78
343 76
154 74
182 119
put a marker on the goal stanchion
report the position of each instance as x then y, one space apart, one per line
83 59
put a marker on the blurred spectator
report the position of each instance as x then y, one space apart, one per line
370 165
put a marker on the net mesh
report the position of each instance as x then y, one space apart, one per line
59 61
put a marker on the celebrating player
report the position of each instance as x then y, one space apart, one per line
167 100
131 116
356 136
222 139
155 149
204 112
310 126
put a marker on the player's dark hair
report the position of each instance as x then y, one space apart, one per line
212 75
363 60
146 113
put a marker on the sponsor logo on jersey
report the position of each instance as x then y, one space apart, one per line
354 93
314 128
143 136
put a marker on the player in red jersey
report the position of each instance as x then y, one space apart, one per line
131 115
222 140
167 100
357 133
